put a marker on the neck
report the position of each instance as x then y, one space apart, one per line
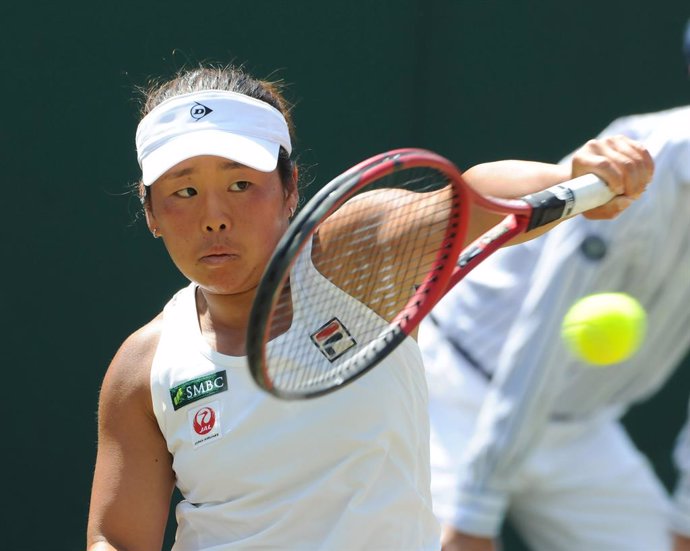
223 320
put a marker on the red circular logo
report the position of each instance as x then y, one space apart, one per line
204 420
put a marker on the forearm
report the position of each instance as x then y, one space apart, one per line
513 178
625 165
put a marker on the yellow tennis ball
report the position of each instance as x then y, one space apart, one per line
605 328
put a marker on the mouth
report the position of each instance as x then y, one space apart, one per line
216 259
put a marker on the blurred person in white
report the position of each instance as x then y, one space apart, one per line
520 429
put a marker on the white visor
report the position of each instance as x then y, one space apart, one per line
212 122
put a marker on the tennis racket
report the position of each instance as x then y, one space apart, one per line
369 256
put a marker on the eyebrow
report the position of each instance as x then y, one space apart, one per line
227 165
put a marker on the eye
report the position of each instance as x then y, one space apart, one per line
241 185
186 192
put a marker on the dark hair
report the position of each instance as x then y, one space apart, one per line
229 78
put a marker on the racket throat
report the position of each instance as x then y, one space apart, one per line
549 206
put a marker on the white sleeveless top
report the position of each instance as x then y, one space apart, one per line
345 471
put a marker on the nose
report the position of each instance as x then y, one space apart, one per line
215 227
216 218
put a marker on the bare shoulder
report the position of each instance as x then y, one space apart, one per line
363 208
387 214
133 478
128 375
383 229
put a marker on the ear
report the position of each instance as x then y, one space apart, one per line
151 221
292 193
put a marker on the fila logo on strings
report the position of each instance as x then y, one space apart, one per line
333 339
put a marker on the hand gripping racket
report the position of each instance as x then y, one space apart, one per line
369 256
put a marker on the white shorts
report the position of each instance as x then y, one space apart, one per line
586 487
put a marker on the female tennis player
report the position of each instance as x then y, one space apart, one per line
178 407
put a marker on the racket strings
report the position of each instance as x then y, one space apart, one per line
387 270
385 243
376 273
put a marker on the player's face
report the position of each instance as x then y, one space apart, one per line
220 221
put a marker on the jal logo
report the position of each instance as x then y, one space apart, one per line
204 421
204 424
199 111
333 339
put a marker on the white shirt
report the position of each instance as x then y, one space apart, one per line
341 472
506 317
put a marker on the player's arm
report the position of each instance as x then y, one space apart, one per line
133 479
624 164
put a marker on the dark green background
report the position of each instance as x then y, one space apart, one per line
474 80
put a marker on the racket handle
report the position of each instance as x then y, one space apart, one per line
567 199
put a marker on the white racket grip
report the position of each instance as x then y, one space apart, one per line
567 199
588 192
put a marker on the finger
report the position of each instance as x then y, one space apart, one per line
635 163
640 149
624 164
611 209
607 169
637 149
